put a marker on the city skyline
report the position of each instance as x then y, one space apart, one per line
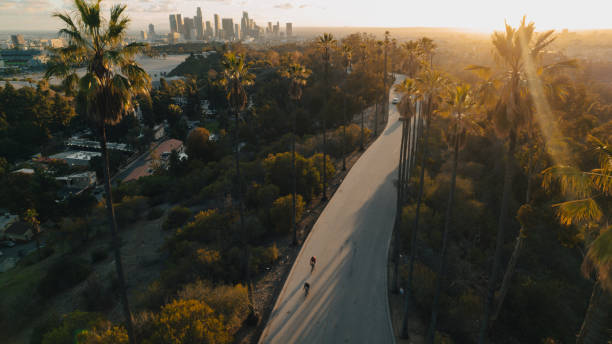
19 15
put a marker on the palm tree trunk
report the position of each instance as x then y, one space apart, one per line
115 240
324 198
376 119
594 323
503 216
344 136
294 172
239 195
447 224
518 248
398 213
413 245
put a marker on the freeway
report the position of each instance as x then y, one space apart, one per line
348 300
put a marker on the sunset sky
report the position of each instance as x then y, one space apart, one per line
484 15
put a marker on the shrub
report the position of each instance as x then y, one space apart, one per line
279 172
263 256
96 295
207 226
62 275
44 326
103 333
282 212
176 218
155 213
317 161
98 255
230 301
198 144
71 324
153 297
190 322
337 144
131 209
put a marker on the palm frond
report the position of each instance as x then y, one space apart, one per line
571 180
578 211
598 259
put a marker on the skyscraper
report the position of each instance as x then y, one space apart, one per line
237 35
199 25
179 23
188 29
143 35
151 30
244 25
173 24
289 29
228 28
216 26
209 30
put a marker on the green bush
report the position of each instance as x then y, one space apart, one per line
176 218
262 257
131 209
230 301
62 275
337 144
279 169
282 212
70 325
155 213
208 225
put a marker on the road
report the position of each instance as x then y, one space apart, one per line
348 296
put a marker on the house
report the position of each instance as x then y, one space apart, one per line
19 231
76 158
78 181
24 171
159 131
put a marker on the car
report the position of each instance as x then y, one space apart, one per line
395 101
7 243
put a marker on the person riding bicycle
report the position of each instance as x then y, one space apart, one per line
306 288
313 261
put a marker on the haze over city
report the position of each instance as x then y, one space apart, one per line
481 15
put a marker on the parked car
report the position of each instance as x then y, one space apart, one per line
395 101
7 243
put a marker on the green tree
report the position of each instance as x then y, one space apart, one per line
31 217
297 75
325 44
347 58
198 144
111 80
589 207
236 77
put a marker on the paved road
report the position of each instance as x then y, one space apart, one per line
348 297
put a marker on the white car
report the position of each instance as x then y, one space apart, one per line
395 101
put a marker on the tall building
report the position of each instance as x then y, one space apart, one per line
269 28
173 23
151 30
228 28
209 30
276 29
217 26
289 29
179 23
143 35
188 29
237 34
18 41
244 25
199 24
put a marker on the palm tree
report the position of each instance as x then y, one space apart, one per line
236 77
589 208
385 95
430 85
111 79
364 60
427 46
459 107
297 75
413 54
31 217
513 48
325 43
347 54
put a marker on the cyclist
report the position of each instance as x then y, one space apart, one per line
306 288
313 261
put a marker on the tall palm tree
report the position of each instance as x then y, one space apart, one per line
430 85
513 48
363 48
347 54
325 43
589 208
297 75
111 80
427 46
236 77
459 107
412 61
385 95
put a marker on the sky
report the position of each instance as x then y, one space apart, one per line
481 15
